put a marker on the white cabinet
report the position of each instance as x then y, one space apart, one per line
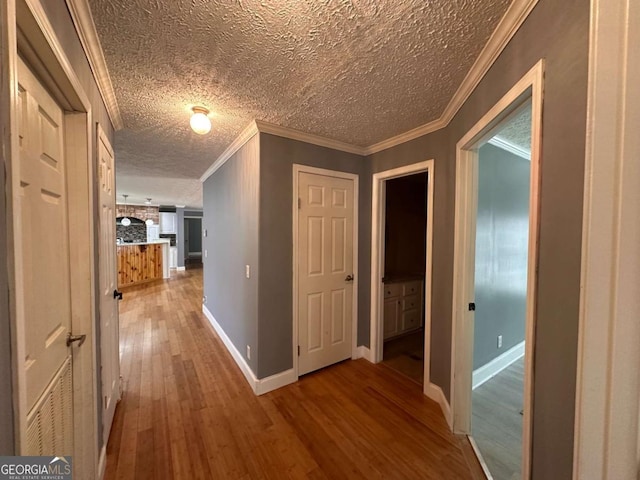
173 257
153 233
402 307
168 223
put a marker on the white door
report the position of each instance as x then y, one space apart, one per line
109 328
41 210
325 270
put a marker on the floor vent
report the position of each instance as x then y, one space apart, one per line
50 422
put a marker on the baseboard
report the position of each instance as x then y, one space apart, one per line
181 269
363 352
102 462
268 384
435 393
495 366
259 386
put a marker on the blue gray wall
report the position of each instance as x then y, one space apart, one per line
180 236
559 33
502 235
194 226
277 156
231 218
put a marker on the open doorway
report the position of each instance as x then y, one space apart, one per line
401 246
495 258
404 253
193 242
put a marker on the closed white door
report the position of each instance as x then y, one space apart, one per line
325 270
41 205
109 328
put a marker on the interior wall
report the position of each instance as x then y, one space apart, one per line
405 226
277 156
180 236
62 24
6 392
502 235
559 33
230 199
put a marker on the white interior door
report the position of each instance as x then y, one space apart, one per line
325 270
42 203
109 328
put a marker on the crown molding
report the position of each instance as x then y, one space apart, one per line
511 21
247 134
293 134
86 28
510 147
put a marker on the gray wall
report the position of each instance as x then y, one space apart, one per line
557 32
502 234
277 156
6 392
230 198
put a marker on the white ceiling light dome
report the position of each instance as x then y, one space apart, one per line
200 122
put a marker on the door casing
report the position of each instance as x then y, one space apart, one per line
25 27
377 261
332 173
530 86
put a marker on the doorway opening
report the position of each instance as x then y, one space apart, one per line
404 252
401 246
193 242
495 258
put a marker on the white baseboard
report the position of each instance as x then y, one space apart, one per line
435 393
102 462
181 269
363 352
259 386
495 366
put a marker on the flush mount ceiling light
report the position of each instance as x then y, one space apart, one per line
125 220
149 220
200 122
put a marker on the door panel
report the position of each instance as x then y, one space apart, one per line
42 215
325 246
109 328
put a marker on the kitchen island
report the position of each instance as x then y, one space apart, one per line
140 262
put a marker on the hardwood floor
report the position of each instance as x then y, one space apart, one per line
497 422
406 355
187 411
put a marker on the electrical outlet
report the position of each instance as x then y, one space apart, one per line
248 352
204 232
204 299
247 269
499 341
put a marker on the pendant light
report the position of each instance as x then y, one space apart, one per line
149 220
125 220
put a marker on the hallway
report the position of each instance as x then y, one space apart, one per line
187 411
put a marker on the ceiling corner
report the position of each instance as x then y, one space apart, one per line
84 25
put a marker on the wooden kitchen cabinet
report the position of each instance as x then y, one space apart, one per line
139 264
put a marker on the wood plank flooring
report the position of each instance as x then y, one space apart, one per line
406 355
187 411
497 423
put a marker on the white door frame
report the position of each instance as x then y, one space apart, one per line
530 86
378 198
43 51
606 441
297 169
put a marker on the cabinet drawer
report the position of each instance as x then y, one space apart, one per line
410 302
410 320
392 290
412 288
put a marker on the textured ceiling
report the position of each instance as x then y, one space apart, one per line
517 130
359 71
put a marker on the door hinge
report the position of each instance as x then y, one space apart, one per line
299 203
298 350
472 307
